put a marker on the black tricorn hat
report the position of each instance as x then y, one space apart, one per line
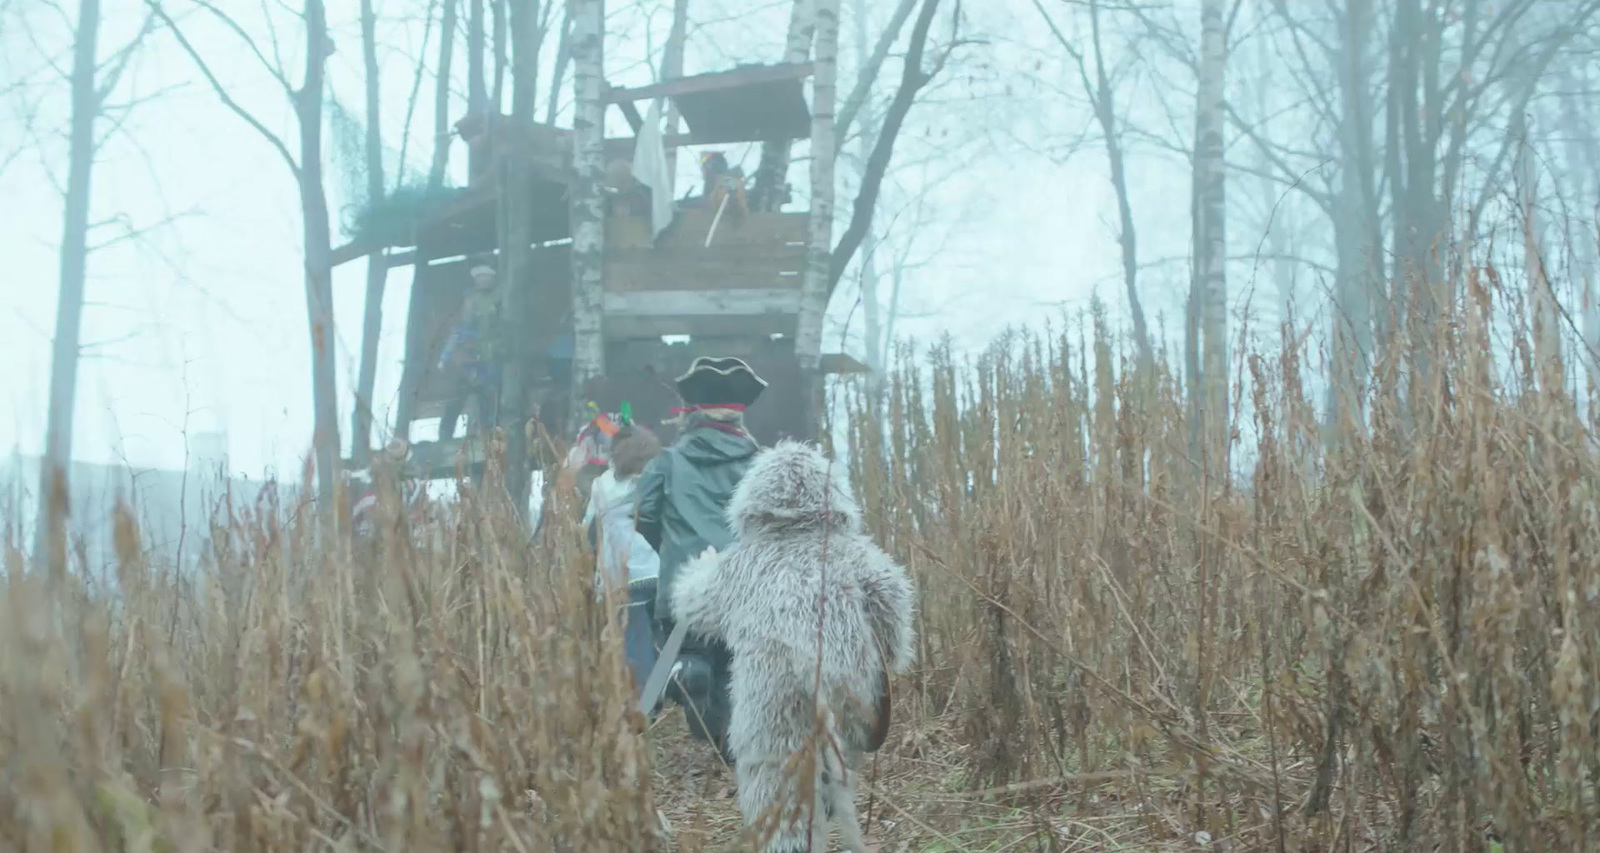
720 382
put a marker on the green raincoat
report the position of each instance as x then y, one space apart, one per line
683 497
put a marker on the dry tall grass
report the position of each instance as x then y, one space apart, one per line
1391 645
446 688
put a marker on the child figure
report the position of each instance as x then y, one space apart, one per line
623 558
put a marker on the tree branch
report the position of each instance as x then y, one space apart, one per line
867 74
222 92
119 61
912 78
275 69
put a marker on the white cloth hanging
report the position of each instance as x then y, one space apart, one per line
650 169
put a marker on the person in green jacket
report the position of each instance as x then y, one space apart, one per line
682 501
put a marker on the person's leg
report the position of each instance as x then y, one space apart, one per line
639 631
701 687
452 413
636 637
488 404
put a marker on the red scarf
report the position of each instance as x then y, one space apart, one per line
720 426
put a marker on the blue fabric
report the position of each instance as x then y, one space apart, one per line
639 643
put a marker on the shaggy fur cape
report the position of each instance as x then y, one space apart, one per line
800 560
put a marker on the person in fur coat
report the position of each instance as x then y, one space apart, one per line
800 571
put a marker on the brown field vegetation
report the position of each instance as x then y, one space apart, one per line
1382 641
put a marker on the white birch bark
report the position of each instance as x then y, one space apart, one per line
588 227
814 283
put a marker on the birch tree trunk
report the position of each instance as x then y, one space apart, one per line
814 287
1209 292
50 526
588 226
441 98
773 171
377 263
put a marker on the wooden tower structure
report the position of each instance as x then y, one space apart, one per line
709 284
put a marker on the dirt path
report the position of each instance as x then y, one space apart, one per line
914 801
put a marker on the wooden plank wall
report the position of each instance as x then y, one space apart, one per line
748 278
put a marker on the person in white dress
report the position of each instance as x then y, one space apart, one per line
622 556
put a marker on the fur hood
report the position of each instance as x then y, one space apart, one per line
790 488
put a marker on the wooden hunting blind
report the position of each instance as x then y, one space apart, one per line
716 285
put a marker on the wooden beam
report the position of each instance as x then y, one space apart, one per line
642 328
622 146
743 76
351 251
713 270
631 113
773 231
838 362
690 303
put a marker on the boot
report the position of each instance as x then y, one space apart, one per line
705 700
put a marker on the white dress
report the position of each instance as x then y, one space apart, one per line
624 555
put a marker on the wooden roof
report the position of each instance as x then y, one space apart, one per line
750 103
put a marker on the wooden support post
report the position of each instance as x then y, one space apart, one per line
415 368
517 283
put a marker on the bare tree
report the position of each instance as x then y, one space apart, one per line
477 90
92 83
1101 94
501 54
913 77
672 69
770 189
1546 322
858 111
50 529
870 305
441 98
563 59
1357 237
530 22
1208 293
306 167
377 262
1583 170
867 68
